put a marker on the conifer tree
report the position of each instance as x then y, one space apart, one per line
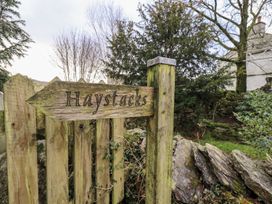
167 28
4 76
13 39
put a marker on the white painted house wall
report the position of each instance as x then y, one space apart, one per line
259 58
259 68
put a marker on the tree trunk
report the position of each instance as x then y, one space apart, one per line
241 76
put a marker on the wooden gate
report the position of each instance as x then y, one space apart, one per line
75 104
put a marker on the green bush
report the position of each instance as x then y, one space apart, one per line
197 99
134 156
228 103
221 130
255 115
223 124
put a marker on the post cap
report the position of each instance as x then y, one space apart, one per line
161 60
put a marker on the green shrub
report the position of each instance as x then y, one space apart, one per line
228 103
255 115
219 120
221 130
197 99
134 156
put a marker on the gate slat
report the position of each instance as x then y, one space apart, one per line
83 162
57 161
118 160
20 124
102 161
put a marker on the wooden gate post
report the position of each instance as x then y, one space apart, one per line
20 127
161 75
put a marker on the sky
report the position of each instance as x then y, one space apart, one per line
45 20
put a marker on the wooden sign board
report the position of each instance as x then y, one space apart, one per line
84 101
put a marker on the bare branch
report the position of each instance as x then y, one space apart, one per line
224 45
233 5
103 19
217 23
222 58
239 4
77 55
214 10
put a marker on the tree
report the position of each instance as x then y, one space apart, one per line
103 17
13 39
77 54
233 20
80 55
4 76
124 61
167 28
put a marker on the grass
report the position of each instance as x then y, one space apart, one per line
228 146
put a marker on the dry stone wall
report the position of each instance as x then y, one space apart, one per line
197 169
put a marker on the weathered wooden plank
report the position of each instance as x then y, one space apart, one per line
118 175
2 125
83 101
57 161
2 133
160 135
2 121
40 117
102 169
1 101
40 120
83 162
39 85
20 127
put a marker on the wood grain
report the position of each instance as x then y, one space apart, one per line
102 169
118 174
160 136
40 117
83 137
2 122
2 133
94 101
57 161
20 126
